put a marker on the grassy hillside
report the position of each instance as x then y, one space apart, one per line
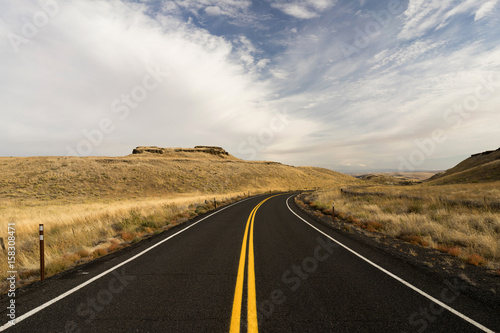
74 179
93 205
389 179
479 168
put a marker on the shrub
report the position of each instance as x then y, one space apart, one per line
71 257
352 219
83 253
200 210
413 239
127 236
455 251
476 259
99 252
113 247
451 250
372 226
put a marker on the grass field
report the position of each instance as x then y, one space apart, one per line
76 233
462 220
94 205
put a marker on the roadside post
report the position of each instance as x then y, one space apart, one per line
215 203
333 212
42 255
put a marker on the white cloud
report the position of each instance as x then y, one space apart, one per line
423 16
214 10
66 78
404 54
303 9
230 8
485 9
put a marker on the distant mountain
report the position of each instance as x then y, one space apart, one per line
479 168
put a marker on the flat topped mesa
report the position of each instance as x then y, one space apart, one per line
217 151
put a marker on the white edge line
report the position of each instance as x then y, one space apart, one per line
71 291
409 285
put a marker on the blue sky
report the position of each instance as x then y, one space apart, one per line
348 85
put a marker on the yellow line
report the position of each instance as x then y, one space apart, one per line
253 326
238 293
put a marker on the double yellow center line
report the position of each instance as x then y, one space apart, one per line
251 294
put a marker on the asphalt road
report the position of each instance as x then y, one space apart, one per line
252 266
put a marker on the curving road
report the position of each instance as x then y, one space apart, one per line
257 265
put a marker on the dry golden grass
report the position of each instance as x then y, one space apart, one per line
75 233
399 176
95 205
90 179
462 220
395 178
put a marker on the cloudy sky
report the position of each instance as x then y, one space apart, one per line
344 84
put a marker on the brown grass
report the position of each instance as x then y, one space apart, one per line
452 250
371 226
441 217
99 252
95 205
414 239
84 253
127 236
34 180
476 259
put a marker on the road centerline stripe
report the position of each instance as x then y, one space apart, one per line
253 326
238 292
252 295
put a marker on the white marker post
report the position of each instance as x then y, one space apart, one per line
42 255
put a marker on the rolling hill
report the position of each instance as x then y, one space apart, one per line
152 172
479 168
394 178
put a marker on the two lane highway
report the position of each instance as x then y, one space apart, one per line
257 265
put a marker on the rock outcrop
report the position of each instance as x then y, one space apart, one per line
486 153
212 150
